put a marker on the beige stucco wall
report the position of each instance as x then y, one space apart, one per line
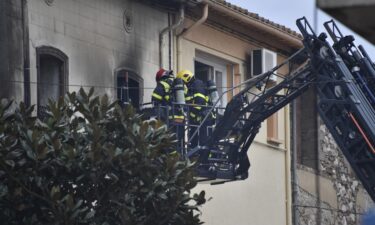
212 41
261 199
264 198
232 49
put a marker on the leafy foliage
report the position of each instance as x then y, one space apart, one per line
91 162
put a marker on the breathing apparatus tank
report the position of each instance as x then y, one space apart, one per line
212 92
179 91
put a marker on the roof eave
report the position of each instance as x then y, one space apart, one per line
293 39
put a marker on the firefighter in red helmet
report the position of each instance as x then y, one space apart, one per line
165 103
162 94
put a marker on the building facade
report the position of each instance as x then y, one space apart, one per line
49 47
222 48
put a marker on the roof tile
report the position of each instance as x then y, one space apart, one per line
257 17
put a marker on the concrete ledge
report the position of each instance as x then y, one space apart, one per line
327 4
308 181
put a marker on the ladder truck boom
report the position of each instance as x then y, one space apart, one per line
346 88
352 122
345 76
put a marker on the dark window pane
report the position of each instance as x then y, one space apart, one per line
122 88
129 88
52 68
134 92
50 79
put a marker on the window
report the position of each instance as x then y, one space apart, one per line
264 60
129 88
209 67
52 78
206 72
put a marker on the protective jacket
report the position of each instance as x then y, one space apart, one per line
163 97
162 93
197 95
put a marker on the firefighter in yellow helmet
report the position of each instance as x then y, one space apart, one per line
196 95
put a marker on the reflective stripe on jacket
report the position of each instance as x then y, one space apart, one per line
197 96
162 92
163 96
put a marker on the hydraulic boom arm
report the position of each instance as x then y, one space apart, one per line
346 103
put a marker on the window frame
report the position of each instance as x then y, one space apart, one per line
64 75
131 75
273 136
218 65
263 62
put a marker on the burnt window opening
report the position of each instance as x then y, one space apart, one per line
52 78
129 88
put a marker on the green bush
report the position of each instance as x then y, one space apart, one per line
91 162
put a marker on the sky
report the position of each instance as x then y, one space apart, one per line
286 13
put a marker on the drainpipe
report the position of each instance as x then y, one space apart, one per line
167 29
188 31
26 53
198 23
294 164
318 173
169 43
287 168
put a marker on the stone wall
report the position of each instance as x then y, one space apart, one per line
352 199
309 212
334 165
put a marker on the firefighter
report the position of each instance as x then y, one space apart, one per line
164 99
196 95
161 96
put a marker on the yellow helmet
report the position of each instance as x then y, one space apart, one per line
185 75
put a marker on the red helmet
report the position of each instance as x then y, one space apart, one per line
162 73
